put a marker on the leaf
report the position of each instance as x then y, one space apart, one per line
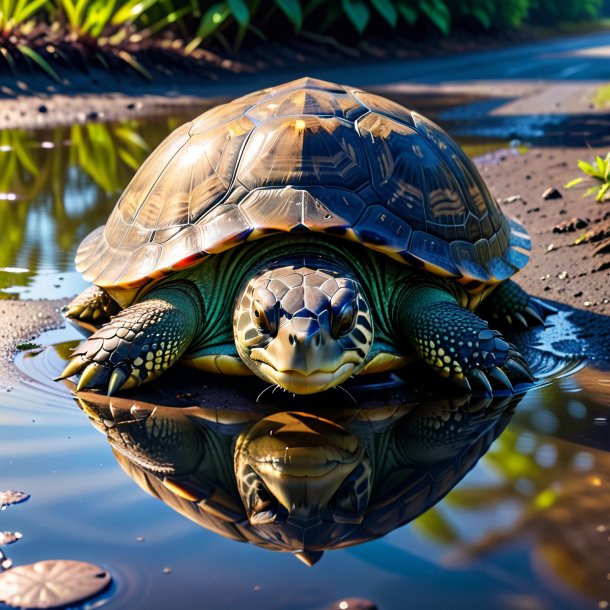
438 13
130 11
240 11
482 16
51 583
292 10
29 9
39 60
591 190
358 13
602 192
574 182
409 13
9 497
212 19
587 169
387 10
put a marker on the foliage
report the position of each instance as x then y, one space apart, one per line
548 12
599 173
115 26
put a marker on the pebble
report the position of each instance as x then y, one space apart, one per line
552 193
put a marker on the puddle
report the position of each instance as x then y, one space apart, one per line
513 493
158 494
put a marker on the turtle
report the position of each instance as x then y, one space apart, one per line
306 233
301 480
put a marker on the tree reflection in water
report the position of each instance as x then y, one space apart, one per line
57 185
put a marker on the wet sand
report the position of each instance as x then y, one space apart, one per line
23 321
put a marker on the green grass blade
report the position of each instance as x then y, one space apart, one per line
212 19
602 192
292 10
240 11
39 60
130 11
135 64
438 13
168 20
572 183
408 12
358 13
387 10
30 8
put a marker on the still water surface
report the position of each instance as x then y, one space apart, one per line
527 528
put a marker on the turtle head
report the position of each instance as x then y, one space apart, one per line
300 470
303 324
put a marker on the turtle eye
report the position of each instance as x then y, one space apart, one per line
343 319
265 318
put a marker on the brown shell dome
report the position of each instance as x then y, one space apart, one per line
306 156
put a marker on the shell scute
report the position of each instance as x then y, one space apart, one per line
301 102
382 230
307 156
425 247
306 151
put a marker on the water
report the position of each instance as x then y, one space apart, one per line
527 527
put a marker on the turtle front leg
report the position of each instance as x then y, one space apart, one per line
510 305
140 343
458 344
93 305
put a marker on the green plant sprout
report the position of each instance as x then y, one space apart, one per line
600 173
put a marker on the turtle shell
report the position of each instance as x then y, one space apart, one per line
307 156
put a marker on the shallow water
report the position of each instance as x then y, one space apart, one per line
527 528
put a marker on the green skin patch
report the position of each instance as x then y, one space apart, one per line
379 308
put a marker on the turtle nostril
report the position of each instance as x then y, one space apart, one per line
291 339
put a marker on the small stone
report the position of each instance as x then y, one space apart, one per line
552 193
578 294
550 247
568 226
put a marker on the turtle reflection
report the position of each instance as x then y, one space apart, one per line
296 481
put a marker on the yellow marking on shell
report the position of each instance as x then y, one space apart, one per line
219 364
385 362
299 125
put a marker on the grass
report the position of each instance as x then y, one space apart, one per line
80 32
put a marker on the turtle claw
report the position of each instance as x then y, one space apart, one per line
478 379
500 376
90 375
534 315
518 370
72 368
521 319
117 381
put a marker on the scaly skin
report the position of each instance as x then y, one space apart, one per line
456 343
509 305
191 314
92 305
